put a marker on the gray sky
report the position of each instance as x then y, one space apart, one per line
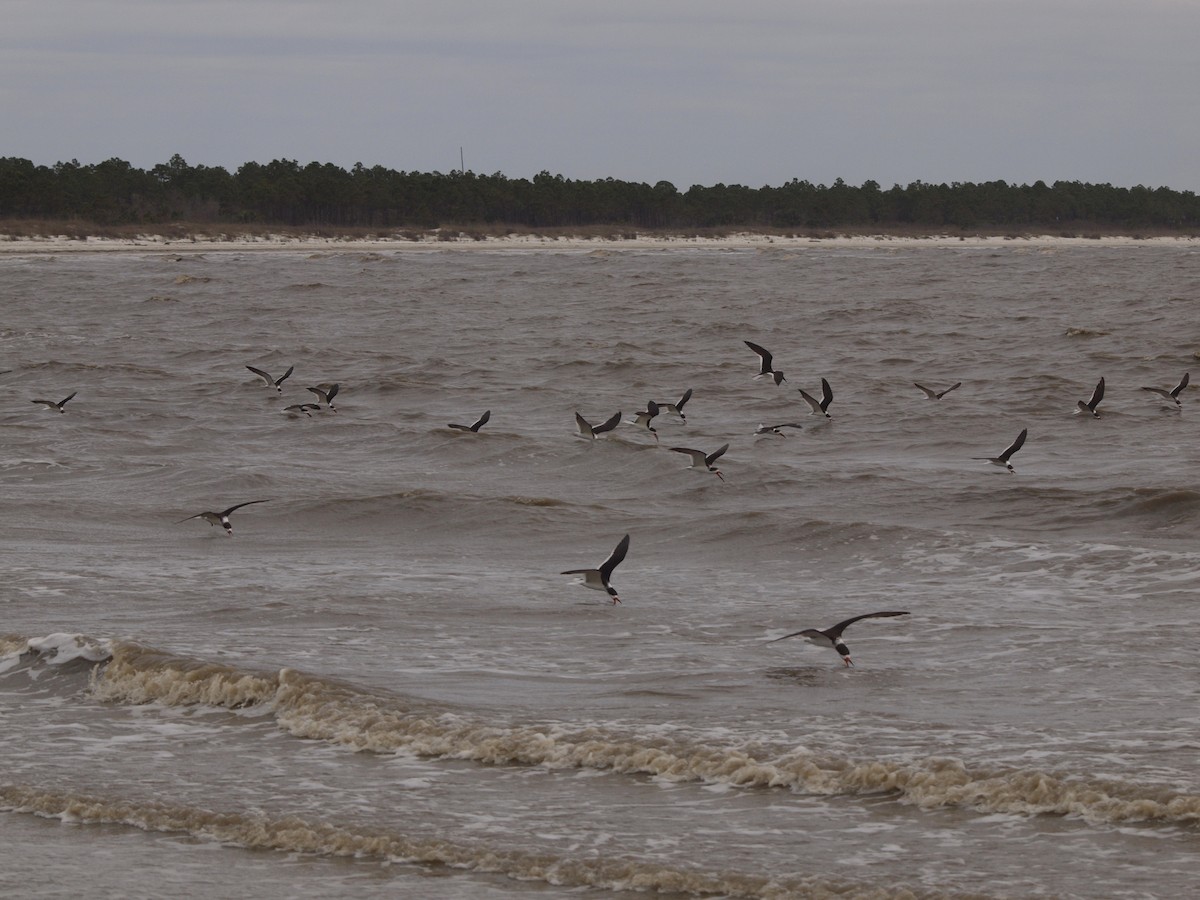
749 92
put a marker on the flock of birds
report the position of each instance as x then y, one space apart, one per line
600 577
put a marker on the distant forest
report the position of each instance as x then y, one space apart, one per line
324 196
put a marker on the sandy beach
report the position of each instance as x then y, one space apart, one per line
743 241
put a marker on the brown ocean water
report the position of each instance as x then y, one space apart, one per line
380 685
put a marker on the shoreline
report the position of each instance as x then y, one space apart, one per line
45 244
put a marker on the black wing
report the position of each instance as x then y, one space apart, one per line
1015 445
1097 395
261 374
226 512
952 387
614 559
482 420
715 455
826 395
609 425
63 402
763 353
836 631
284 377
1183 382
687 395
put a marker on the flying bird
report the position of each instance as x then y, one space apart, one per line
51 404
220 518
937 395
643 418
325 392
1173 394
598 579
765 367
1090 406
775 429
677 406
832 637
700 460
1002 459
272 382
588 430
819 406
297 408
479 423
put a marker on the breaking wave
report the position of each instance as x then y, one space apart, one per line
316 708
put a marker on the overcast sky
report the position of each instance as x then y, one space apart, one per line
751 92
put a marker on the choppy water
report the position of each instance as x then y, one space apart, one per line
382 679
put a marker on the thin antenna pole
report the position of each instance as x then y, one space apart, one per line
462 166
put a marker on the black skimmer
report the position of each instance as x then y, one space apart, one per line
765 367
643 418
832 637
701 460
272 382
677 406
325 392
479 423
1173 394
822 405
937 395
1002 459
775 429
588 430
297 408
1090 406
50 404
598 579
220 518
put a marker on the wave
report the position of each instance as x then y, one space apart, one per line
297 835
316 708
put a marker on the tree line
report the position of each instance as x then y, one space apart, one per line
285 193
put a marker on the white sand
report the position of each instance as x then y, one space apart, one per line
158 243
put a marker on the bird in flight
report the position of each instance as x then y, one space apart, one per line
220 518
937 395
52 404
588 430
1003 459
832 637
479 423
701 460
819 406
765 366
272 382
1173 394
1090 406
598 578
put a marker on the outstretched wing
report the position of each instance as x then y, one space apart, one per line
1015 445
482 420
226 512
763 353
836 631
687 395
932 395
699 458
263 375
811 401
611 423
614 559
826 395
284 377
1097 395
1183 382
952 387
715 455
